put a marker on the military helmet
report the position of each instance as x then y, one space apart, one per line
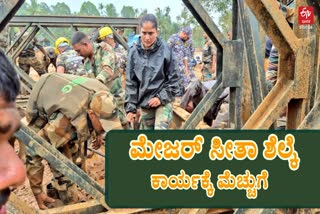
60 41
104 106
105 31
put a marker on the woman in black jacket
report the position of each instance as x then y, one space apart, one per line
151 78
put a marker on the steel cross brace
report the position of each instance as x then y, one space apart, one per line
48 32
294 67
229 67
25 42
76 21
38 146
19 37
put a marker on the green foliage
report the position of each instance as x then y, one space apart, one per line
223 8
89 9
167 26
165 23
61 9
129 12
111 10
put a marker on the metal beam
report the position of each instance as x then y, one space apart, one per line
119 38
234 98
38 146
76 21
231 77
84 208
7 11
26 78
19 37
271 107
25 42
312 120
16 205
251 37
273 22
208 25
305 73
48 32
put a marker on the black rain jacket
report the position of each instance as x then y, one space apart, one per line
150 73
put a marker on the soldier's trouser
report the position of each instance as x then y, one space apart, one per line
55 133
121 111
158 118
26 62
271 77
118 93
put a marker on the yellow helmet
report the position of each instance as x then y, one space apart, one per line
58 42
105 31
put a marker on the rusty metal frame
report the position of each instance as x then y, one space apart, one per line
38 146
25 42
228 74
59 21
19 37
254 56
292 87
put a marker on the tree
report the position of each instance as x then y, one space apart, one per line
101 7
34 8
61 9
164 22
129 12
224 8
111 10
89 9
186 18
23 9
44 9
142 12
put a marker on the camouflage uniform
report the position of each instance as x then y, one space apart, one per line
182 50
62 120
158 119
4 39
104 56
121 58
71 62
151 73
209 50
27 59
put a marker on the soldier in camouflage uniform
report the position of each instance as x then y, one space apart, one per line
183 50
106 35
151 78
100 63
67 123
209 59
68 60
27 58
